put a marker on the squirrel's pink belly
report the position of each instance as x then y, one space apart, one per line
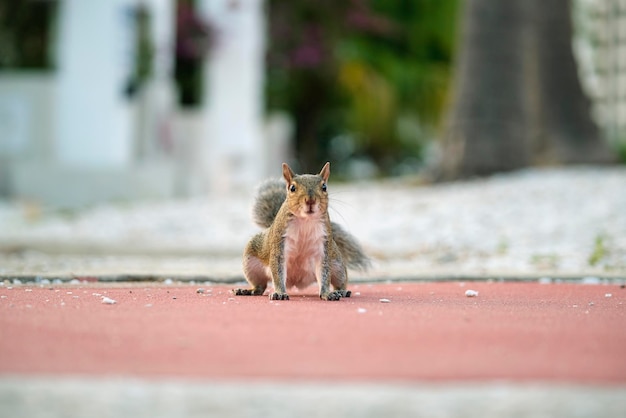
304 251
302 264
300 278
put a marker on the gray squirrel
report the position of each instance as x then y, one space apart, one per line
300 245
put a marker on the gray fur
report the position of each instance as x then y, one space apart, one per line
270 196
351 251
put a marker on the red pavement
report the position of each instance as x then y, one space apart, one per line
427 332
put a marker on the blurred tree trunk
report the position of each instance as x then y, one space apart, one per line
565 131
517 97
486 127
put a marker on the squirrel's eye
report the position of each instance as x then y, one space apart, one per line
324 187
292 188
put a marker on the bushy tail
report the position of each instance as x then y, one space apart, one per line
351 250
269 198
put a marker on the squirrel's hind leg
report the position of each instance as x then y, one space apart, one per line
339 279
256 274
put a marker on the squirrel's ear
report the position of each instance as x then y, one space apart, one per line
325 171
288 173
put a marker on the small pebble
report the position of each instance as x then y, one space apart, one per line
108 301
384 300
200 290
608 295
168 281
471 293
361 310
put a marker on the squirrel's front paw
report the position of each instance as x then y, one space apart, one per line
336 295
279 296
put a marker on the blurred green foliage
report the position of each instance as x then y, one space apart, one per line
621 150
599 251
25 34
194 36
363 79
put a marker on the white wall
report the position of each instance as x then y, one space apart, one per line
234 83
94 66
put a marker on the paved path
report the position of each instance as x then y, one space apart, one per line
431 332
514 350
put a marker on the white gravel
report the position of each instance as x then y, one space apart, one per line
108 301
539 222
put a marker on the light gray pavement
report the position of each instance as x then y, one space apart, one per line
117 397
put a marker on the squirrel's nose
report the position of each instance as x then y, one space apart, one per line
309 201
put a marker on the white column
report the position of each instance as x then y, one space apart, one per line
234 93
164 36
157 98
96 57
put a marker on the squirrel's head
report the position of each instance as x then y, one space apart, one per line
307 195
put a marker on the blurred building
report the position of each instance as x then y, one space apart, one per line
87 131
600 47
